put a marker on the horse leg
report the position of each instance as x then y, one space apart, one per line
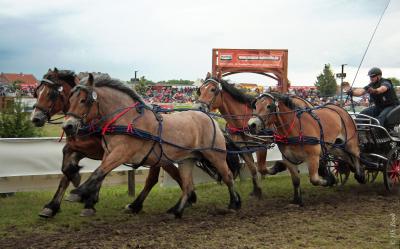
88 192
294 173
218 160
313 165
185 171
248 158
151 180
70 170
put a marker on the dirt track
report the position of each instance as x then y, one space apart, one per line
360 218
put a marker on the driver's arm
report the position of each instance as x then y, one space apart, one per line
379 90
358 91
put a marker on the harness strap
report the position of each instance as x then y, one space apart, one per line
116 117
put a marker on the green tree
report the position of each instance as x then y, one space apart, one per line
142 85
326 82
14 122
395 81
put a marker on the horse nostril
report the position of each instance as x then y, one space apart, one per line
68 128
38 122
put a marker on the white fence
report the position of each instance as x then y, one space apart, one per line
35 163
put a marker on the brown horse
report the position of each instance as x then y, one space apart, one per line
235 107
145 137
52 97
305 136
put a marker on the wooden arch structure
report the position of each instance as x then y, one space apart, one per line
272 63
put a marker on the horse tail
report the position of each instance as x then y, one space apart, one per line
232 158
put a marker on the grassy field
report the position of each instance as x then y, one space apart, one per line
353 216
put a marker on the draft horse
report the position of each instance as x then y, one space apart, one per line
235 107
52 97
306 136
133 133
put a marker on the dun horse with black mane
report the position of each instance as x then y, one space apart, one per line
305 135
235 107
52 97
133 133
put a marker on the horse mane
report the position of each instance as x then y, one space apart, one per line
65 75
286 100
106 81
236 93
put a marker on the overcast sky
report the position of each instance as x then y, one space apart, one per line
173 39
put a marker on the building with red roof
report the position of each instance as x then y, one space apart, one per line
24 80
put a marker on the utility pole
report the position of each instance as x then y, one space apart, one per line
341 75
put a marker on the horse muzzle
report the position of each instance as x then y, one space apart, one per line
201 106
255 125
70 126
38 118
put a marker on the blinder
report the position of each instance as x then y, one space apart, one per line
91 94
271 107
217 91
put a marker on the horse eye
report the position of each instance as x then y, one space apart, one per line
82 101
269 106
213 90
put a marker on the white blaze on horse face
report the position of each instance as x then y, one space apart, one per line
39 97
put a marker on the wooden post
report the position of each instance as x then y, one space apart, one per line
131 182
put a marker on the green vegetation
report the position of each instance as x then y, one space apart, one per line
14 122
395 81
326 82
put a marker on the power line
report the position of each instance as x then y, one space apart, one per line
369 43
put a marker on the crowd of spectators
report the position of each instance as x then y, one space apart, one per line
6 90
313 96
170 94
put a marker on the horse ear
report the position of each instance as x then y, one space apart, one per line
90 80
49 70
55 70
219 76
208 75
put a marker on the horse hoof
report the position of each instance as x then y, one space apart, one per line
73 198
46 213
87 212
76 180
178 215
257 193
131 208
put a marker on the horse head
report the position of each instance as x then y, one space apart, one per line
208 94
52 95
263 107
81 106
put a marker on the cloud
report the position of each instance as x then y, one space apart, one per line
174 39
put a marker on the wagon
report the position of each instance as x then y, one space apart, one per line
380 147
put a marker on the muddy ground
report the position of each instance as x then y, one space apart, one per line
362 217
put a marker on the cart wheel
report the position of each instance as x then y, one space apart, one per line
372 175
340 170
391 172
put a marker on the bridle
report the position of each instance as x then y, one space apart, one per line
56 90
91 99
217 91
273 107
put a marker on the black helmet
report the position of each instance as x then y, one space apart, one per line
374 71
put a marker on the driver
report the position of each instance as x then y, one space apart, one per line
381 92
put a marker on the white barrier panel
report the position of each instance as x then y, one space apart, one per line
199 176
37 156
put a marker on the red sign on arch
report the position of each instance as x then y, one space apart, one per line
270 62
